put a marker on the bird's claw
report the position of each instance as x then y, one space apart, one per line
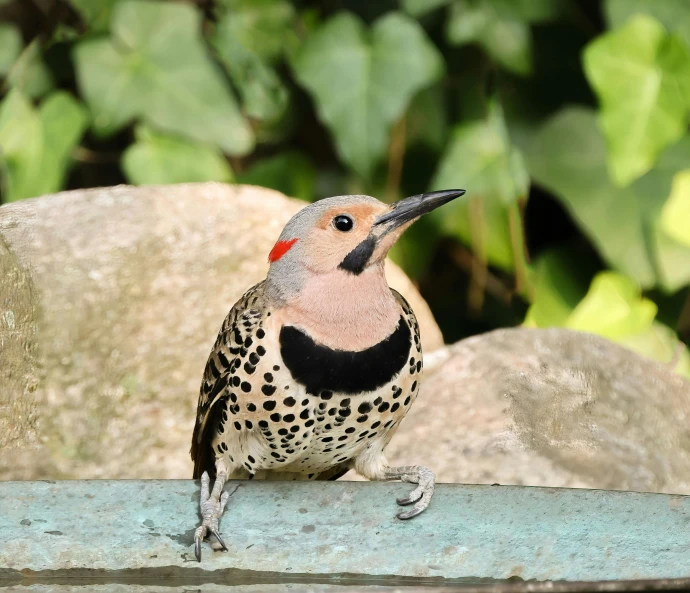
211 506
421 495
198 538
220 539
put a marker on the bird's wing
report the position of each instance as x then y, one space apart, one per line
239 324
410 316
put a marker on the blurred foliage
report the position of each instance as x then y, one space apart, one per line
566 121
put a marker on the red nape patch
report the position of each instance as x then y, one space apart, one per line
280 249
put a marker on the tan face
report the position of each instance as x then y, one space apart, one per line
338 232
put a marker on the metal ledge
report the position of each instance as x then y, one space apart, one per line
141 532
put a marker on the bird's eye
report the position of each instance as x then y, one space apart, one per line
343 223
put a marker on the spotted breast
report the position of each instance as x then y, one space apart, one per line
278 405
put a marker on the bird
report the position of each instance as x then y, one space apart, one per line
314 368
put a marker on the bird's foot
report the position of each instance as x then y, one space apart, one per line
421 495
211 505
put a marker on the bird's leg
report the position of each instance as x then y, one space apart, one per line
421 495
211 504
372 464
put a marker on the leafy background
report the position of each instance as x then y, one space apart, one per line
567 122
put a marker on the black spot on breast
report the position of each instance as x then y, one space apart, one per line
364 407
269 405
246 387
254 358
320 368
268 389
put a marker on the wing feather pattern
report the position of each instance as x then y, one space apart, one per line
240 322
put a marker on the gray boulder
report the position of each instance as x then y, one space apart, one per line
550 407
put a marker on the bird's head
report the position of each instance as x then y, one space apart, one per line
345 235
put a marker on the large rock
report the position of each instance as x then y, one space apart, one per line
550 408
110 300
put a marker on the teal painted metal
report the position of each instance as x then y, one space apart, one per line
292 531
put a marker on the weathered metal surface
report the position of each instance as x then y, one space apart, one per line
344 532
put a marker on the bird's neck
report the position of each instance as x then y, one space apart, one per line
344 311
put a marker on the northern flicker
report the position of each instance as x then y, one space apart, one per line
315 367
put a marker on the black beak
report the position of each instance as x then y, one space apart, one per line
413 207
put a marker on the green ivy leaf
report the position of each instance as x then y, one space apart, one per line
661 343
419 8
26 70
504 36
362 81
531 11
95 13
157 158
249 37
291 173
613 308
642 77
10 47
261 27
675 215
674 15
481 159
37 144
557 288
567 157
155 67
